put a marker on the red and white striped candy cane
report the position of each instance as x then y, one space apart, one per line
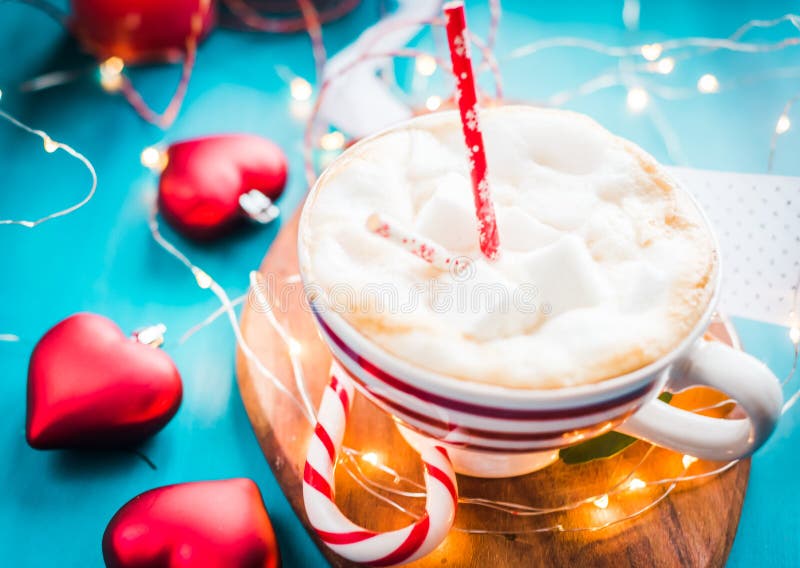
342 535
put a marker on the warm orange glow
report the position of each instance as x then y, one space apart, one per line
601 502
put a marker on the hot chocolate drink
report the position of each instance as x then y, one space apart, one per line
606 264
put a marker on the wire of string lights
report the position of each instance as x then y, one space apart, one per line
652 59
50 146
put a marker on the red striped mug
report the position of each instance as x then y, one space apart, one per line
486 430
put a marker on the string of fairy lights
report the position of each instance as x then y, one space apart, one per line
366 468
407 488
50 146
426 65
402 486
658 62
638 96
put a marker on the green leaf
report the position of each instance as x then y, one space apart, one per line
601 447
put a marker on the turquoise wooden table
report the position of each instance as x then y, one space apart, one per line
55 505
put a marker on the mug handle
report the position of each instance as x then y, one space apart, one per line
341 535
739 375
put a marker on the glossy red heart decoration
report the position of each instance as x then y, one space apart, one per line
200 188
204 524
138 30
91 386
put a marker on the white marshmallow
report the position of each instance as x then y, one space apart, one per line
484 305
448 217
566 276
522 232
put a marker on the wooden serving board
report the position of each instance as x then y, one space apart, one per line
693 526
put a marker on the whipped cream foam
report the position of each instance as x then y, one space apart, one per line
605 266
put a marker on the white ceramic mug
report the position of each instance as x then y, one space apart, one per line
494 431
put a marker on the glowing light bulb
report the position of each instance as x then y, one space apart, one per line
665 66
113 65
332 141
794 334
601 502
300 89
370 458
652 51
637 99
153 158
294 347
111 73
688 460
203 279
50 145
636 483
426 65
300 110
433 103
708 84
783 124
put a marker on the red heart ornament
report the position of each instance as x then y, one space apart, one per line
204 524
139 30
201 187
91 386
